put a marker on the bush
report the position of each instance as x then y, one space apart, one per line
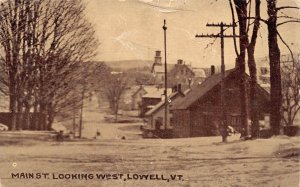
291 130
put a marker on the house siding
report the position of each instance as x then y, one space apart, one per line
203 117
181 127
160 114
148 102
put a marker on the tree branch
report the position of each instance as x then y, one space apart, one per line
233 29
287 47
289 21
287 7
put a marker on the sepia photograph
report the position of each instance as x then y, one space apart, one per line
152 93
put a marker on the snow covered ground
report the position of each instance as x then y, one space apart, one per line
201 161
111 161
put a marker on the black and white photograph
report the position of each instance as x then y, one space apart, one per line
152 93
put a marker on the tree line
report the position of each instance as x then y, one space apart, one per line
45 47
249 26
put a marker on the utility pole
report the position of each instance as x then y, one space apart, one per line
222 36
81 112
166 85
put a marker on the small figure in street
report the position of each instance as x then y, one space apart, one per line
224 132
98 134
60 136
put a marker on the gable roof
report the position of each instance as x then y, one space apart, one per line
199 72
162 103
160 68
199 90
179 67
154 92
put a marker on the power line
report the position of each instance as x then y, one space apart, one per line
221 35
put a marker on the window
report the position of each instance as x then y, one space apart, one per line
264 70
171 121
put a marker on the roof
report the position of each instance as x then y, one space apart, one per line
199 90
137 90
154 92
199 72
162 103
179 67
160 68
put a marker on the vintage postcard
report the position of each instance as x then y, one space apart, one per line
149 93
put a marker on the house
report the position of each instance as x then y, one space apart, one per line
156 115
126 99
181 74
263 73
136 97
151 98
199 112
200 74
142 90
4 105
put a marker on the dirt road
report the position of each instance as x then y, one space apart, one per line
200 162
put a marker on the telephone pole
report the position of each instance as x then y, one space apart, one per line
81 112
166 85
221 35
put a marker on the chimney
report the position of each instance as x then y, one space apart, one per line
157 58
174 89
190 82
179 88
212 70
179 61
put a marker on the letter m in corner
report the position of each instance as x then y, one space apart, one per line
13 176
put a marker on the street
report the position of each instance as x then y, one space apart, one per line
200 161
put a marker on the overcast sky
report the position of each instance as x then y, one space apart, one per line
132 29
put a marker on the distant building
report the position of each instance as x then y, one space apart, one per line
136 97
4 104
158 70
156 115
199 112
200 74
140 92
181 74
263 69
263 74
151 98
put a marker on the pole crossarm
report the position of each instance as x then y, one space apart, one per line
220 24
221 35
215 36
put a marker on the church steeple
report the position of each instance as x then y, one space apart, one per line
157 58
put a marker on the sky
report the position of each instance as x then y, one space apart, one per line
132 29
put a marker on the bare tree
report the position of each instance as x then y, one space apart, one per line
274 56
245 18
43 42
114 87
253 70
241 10
275 74
290 72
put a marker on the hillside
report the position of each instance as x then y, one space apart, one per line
129 64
